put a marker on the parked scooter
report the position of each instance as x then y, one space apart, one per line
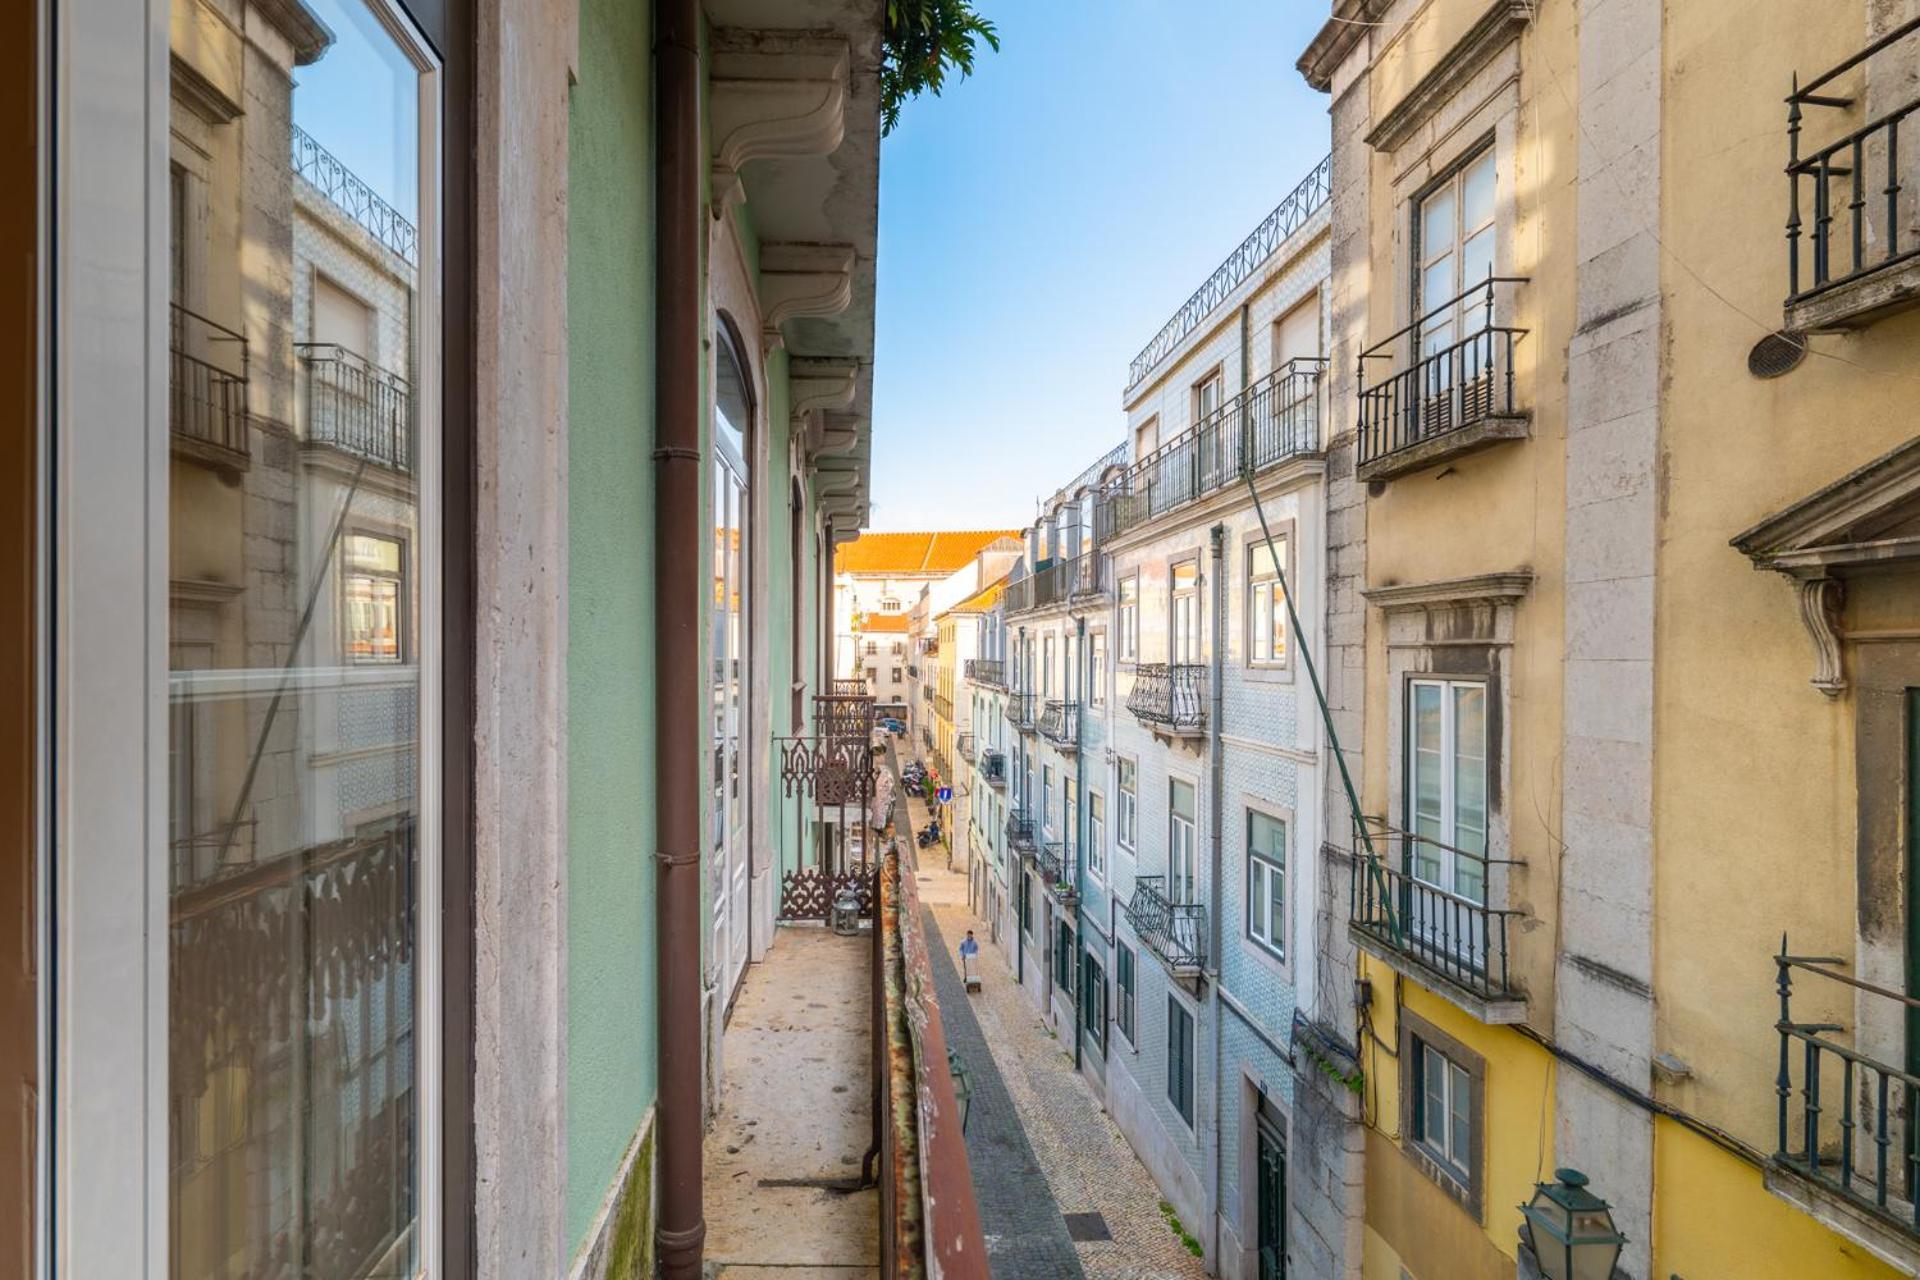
929 834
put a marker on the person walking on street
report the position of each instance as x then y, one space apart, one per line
969 949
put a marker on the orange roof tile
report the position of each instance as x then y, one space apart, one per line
982 600
883 622
932 553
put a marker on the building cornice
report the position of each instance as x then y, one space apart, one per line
1495 29
1347 27
1492 588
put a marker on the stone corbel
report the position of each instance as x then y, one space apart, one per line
1820 601
817 386
802 280
773 95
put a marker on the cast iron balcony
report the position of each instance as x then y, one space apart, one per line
963 743
1176 931
1275 419
1448 388
1846 194
1021 711
1020 831
993 767
356 406
987 671
354 198
1170 697
1060 725
207 389
1451 940
1846 1108
1056 871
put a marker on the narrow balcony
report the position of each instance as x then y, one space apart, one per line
207 390
1170 698
990 672
850 687
1446 939
1060 725
1272 421
355 406
1175 931
1021 834
1056 872
963 744
1021 711
993 768
1448 384
1848 198
1849 1145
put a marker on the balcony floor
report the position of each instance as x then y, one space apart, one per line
795 1116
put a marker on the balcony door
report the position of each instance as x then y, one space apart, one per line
1455 242
731 868
1447 808
1183 635
1181 867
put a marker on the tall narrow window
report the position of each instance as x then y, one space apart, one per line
1456 230
1206 397
1447 800
1096 834
1267 881
1183 631
1070 820
1181 884
1180 1058
1127 780
1443 1116
1266 605
1097 669
1093 1002
1128 617
1046 798
374 579
1124 1002
732 652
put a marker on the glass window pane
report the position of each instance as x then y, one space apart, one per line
1436 286
1476 186
1476 264
1437 224
296 526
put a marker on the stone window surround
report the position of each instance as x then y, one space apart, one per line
1255 547
1470 1195
1279 963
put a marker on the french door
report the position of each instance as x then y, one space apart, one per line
1271 1209
1447 808
732 648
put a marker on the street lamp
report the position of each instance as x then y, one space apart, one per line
1570 1230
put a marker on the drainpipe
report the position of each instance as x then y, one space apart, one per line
1079 830
680 1233
1024 901
1218 803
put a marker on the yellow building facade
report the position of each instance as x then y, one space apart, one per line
1623 636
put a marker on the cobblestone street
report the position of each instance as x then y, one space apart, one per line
1058 1127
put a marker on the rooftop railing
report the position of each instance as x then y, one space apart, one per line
1276 418
1451 368
356 406
1171 696
1060 724
1176 931
207 383
354 197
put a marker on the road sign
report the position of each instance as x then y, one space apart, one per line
946 795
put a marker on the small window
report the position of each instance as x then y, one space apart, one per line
1266 605
1070 820
1025 892
1146 438
1207 397
1127 774
1129 618
1180 1058
899 648
1097 672
1123 1004
872 648
1046 797
1097 834
1181 874
1267 881
1183 630
374 577
1063 956
1443 1110
1093 1002
896 675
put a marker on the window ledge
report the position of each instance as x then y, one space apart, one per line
1858 302
1489 1011
1472 438
1878 1236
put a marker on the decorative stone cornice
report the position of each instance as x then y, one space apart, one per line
1495 29
802 280
816 385
1347 27
773 94
1491 588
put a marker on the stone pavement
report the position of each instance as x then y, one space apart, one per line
1031 1111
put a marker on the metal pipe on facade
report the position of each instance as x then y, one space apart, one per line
1079 833
1217 804
680 1232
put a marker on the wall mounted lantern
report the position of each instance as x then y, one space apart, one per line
1570 1230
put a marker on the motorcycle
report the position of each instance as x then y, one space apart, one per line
929 835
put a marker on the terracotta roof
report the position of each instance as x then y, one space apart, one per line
872 622
981 601
933 553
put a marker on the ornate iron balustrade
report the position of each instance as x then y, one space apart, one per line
963 744
993 767
834 770
1056 871
1287 217
1869 1152
207 382
990 672
1171 696
1060 725
1020 711
1276 418
1449 935
1872 193
1176 931
353 197
841 717
1020 830
850 686
355 405
1438 389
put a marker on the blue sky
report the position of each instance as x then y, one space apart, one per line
1043 219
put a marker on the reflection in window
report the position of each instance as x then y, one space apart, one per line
295 529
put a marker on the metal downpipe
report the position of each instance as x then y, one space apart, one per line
1079 840
1216 803
680 1231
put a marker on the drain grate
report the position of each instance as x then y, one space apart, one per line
1082 1227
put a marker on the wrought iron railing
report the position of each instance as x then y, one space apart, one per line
849 686
1848 1116
993 767
354 197
1177 931
1059 581
1021 711
1276 418
1060 725
1867 165
355 405
1440 382
1288 217
207 381
1056 870
1452 935
990 672
943 706
1020 830
963 744
1172 695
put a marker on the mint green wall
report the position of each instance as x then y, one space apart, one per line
611 1057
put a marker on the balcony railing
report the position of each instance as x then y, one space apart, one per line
850 686
1170 696
1847 196
1276 418
963 743
1059 581
993 767
1451 369
1020 831
1176 931
356 406
990 672
207 383
355 198
1021 710
943 706
1060 725
1056 870
1451 935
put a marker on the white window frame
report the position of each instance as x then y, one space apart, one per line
1097 669
1263 872
1127 594
1455 1097
1127 829
1188 646
1262 581
1097 835
1458 324
1452 870
1183 866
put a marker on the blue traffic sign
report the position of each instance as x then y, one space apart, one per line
946 795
